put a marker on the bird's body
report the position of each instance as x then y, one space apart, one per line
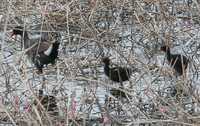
116 74
43 59
44 99
178 61
120 92
41 51
47 101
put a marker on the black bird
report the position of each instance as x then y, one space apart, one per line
120 92
47 101
41 52
178 61
116 74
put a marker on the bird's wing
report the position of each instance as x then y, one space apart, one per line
40 46
115 70
125 70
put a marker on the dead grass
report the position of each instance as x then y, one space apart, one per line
127 31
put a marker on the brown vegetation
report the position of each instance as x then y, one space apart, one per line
129 32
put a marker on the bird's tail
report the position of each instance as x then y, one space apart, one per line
54 52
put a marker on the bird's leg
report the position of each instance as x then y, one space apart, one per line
43 82
39 66
108 101
121 83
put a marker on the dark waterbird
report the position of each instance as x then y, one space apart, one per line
178 61
116 74
47 101
118 93
41 51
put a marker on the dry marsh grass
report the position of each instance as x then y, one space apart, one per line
129 32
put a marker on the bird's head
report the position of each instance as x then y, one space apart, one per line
17 31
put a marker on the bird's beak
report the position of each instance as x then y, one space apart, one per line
11 34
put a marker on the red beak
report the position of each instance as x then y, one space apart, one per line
11 34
